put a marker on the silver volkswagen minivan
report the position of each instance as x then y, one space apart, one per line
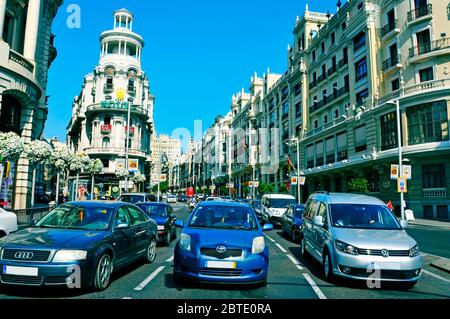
358 237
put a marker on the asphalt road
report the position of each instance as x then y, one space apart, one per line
290 277
432 240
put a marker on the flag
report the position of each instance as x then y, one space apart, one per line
290 164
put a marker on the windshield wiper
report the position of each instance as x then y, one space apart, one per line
46 226
240 227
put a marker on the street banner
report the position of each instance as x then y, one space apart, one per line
203 187
407 171
212 187
302 180
256 184
133 165
230 185
122 184
250 184
402 185
163 178
394 171
120 164
294 180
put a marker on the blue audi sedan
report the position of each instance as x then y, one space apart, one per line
78 244
222 242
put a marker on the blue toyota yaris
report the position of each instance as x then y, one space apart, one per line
222 242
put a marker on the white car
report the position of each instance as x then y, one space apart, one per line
8 222
171 199
213 198
273 207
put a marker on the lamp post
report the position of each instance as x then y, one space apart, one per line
297 142
127 145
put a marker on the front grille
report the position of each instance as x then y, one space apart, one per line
38 255
21 280
220 272
212 252
55 280
377 252
384 274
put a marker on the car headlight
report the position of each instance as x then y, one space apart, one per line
160 227
185 241
346 248
414 252
258 245
69 255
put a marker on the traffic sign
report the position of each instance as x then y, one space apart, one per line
294 180
406 171
302 180
394 171
402 185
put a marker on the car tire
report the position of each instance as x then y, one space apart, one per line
327 267
294 236
168 238
150 252
303 250
103 272
409 285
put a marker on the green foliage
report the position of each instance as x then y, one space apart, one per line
283 188
164 186
265 188
358 185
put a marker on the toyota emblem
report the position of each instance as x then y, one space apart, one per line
26 255
221 249
385 253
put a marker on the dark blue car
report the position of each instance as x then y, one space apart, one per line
165 217
78 244
292 221
222 242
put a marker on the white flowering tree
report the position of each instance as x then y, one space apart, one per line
79 163
61 157
11 147
138 178
95 166
37 152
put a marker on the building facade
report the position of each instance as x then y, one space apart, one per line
26 53
118 86
169 146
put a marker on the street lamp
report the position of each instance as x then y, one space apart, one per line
127 145
396 102
297 142
162 160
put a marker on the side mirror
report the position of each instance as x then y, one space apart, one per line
318 221
404 223
34 222
179 223
267 227
122 226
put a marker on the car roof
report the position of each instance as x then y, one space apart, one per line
348 198
224 203
152 203
141 194
98 203
279 196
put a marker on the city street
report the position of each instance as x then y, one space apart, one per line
290 277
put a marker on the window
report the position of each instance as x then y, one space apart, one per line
426 74
360 5
10 113
136 216
360 69
341 146
333 38
359 41
314 55
395 85
322 212
336 113
319 153
329 146
224 147
314 77
122 216
433 176
361 97
297 89
105 142
322 47
284 92
360 139
344 26
423 42
428 211
105 163
388 125
285 109
298 108
442 211
310 156
427 123
107 120
316 124
325 119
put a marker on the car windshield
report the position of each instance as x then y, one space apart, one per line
281 202
298 211
69 216
131 198
223 217
154 210
362 216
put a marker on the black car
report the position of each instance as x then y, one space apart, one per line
78 244
181 198
256 205
291 221
165 217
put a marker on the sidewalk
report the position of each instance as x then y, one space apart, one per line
431 222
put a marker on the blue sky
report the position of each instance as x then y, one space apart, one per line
197 53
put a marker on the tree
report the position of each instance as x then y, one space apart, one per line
358 185
163 187
283 188
78 163
265 188
95 166
138 178
61 157
37 152
11 146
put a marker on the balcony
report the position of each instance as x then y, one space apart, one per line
321 78
312 84
429 50
131 130
108 88
284 116
310 164
419 12
118 151
360 76
116 107
390 63
391 26
285 135
131 89
332 70
342 155
319 161
330 159
327 99
343 62
16 57
435 192
105 128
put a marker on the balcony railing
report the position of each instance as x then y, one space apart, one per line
389 63
284 116
131 130
116 107
330 159
106 128
319 161
16 57
389 27
131 89
312 84
310 164
419 12
423 48
435 192
321 77
332 70
343 62
329 98
342 155
360 76
285 135
108 87
120 151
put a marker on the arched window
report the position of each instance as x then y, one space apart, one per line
105 142
107 120
10 113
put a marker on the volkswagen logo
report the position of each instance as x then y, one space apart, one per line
221 249
385 253
26 255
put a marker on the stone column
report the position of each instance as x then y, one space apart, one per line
31 29
2 16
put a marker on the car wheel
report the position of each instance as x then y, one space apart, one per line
327 268
150 254
303 250
168 238
103 272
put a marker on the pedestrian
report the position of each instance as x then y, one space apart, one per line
2 202
390 206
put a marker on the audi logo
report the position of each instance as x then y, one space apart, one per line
27 255
385 253
221 249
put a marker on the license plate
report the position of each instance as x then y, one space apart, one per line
221 264
20 271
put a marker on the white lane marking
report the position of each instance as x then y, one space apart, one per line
270 239
281 248
316 289
169 260
295 261
149 278
127 298
435 276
